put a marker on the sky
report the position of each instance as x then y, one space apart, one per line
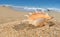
33 3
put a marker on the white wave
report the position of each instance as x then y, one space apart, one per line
29 8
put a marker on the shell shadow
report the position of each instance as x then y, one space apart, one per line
23 26
27 26
51 23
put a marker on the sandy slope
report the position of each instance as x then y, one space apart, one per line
10 25
7 15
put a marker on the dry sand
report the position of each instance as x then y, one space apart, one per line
10 25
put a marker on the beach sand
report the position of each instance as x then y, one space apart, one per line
10 25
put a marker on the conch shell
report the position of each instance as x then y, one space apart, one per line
38 18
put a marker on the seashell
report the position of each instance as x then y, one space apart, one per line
38 18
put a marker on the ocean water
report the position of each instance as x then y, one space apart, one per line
30 9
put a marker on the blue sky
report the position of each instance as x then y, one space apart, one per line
33 3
